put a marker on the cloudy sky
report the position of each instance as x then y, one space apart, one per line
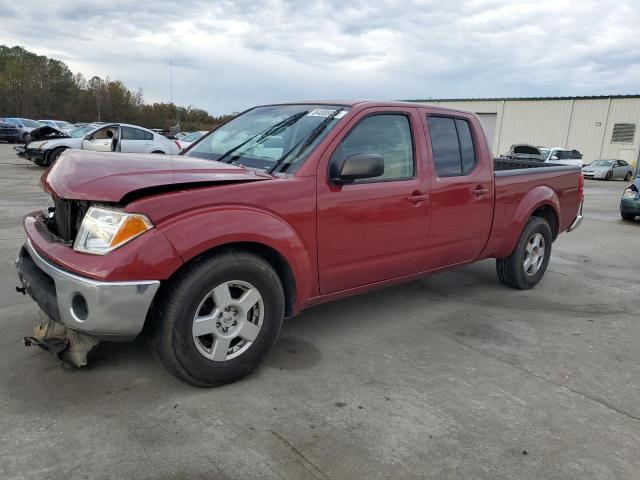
229 55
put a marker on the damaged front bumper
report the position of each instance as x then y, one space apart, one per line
103 310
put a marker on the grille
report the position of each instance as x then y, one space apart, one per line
8 130
67 218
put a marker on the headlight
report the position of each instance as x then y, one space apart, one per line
105 229
629 193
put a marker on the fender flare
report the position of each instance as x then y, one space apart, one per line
197 232
540 196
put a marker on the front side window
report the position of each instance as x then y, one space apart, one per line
452 145
388 135
276 138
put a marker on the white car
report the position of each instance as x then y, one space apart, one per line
562 156
189 138
49 143
608 169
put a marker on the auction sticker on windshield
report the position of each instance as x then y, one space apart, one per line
326 112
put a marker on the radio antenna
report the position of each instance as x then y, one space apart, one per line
171 114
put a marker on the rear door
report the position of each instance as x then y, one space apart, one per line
135 140
461 189
374 229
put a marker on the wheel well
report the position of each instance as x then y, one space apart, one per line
549 214
50 152
158 151
275 259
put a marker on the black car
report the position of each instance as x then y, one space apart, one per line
9 132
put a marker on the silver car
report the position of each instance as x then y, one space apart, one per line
608 169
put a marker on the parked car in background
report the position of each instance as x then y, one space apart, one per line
25 125
283 207
59 124
188 139
112 137
10 132
630 201
523 151
608 170
562 156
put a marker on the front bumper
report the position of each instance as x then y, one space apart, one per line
630 205
31 154
109 310
10 137
577 221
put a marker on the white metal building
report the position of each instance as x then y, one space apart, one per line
599 126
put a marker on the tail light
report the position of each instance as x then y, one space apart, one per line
581 188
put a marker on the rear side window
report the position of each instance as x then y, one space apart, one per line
452 145
130 133
388 135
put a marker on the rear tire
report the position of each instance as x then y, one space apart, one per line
534 245
627 177
190 303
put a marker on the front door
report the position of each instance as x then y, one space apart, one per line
375 229
461 190
101 140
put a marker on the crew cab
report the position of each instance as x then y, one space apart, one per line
281 208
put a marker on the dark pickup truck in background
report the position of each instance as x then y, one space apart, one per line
283 207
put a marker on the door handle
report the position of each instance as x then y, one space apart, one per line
417 197
479 190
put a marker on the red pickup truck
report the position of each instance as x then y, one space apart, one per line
281 208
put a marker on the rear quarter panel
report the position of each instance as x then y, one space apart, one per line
518 196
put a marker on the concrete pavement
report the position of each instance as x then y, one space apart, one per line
451 376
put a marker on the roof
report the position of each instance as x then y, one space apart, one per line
524 99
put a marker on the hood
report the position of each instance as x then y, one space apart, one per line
46 133
8 125
109 177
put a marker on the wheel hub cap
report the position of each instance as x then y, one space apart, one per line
534 254
228 320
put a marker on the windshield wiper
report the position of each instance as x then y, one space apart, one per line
305 142
272 130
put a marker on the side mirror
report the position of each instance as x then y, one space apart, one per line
554 157
87 137
355 167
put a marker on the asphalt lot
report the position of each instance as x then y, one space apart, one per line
451 376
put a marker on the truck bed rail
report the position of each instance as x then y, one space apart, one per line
503 167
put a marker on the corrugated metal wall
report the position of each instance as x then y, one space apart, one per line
583 124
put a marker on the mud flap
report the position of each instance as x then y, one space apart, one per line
68 345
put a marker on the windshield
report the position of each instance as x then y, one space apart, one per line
602 163
276 137
15 121
191 137
81 131
31 123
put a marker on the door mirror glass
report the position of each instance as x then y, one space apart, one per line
356 167
555 157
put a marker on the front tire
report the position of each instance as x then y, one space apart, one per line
608 176
54 155
627 216
627 177
26 138
525 267
218 318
